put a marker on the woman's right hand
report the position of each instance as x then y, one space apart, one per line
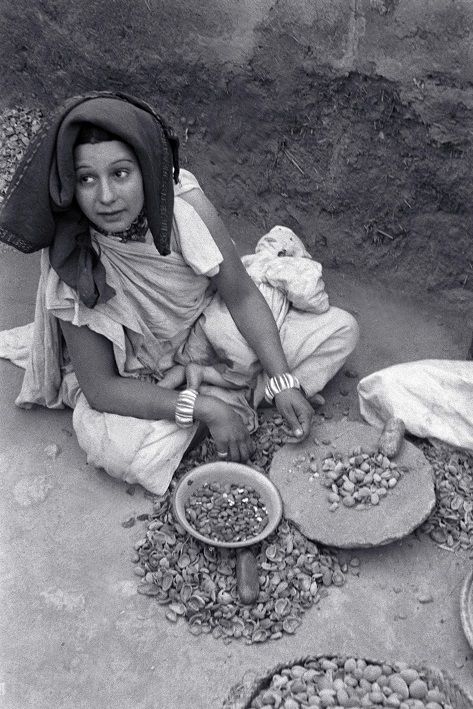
226 428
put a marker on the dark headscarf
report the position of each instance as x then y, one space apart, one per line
40 209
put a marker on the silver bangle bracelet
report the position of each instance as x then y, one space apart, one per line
184 411
278 383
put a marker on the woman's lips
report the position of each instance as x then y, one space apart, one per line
111 215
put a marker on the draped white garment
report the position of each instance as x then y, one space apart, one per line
164 312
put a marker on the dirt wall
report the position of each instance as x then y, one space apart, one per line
349 120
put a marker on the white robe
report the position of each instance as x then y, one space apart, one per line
152 325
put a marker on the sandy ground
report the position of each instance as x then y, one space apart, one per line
75 633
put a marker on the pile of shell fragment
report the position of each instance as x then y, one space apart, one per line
350 682
17 126
451 523
197 582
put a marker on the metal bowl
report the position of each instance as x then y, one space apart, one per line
234 473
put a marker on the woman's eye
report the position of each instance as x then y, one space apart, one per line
121 172
85 179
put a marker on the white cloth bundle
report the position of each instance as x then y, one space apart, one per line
433 397
282 261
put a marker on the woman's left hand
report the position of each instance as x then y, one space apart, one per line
297 411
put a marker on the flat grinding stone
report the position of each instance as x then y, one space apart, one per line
403 509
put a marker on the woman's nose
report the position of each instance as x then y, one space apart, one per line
106 193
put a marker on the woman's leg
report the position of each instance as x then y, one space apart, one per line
316 347
131 449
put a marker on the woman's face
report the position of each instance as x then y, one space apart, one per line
109 185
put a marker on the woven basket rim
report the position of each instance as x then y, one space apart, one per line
240 697
466 611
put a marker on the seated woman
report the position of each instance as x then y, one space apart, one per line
130 265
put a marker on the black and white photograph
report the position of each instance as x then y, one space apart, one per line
236 354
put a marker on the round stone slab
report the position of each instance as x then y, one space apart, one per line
403 509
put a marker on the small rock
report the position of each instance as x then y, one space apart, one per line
399 686
32 490
351 374
52 451
372 672
435 695
409 675
343 697
128 522
148 589
343 391
439 536
376 697
327 698
171 616
350 665
338 578
418 689
425 597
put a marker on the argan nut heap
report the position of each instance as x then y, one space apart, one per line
226 512
349 682
360 479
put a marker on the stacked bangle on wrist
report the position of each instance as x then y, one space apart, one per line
184 411
278 383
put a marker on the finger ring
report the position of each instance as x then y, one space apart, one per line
222 455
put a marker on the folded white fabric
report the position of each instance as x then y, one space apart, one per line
131 449
282 261
15 344
434 398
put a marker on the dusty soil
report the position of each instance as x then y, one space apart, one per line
345 159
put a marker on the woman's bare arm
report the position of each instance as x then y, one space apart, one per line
252 315
105 390
245 302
